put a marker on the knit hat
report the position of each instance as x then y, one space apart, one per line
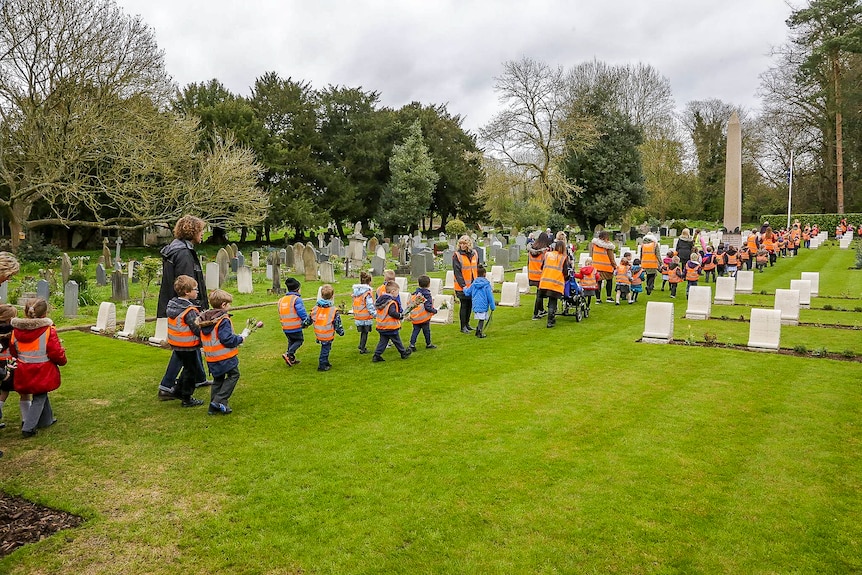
292 284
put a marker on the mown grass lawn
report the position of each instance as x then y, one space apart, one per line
571 450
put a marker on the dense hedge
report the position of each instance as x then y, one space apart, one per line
827 222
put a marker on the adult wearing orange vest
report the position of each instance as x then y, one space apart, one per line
650 254
183 337
556 269
179 258
535 258
770 244
465 262
293 318
221 350
39 351
602 254
752 243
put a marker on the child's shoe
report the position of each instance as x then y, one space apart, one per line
430 346
287 360
412 348
377 358
28 434
219 409
324 367
406 354
191 402
362 351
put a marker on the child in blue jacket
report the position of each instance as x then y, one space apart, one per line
483 299
220 345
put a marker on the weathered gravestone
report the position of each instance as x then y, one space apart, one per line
289 260
429 261
70 299
273 262
373 245
223 261
65 268
327 273
298 262
244 282
131 271
234 264
43 290
309 262
106 254
377 266
119 287
417 266
255 259
501 257
213 275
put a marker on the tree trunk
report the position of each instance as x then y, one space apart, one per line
18 215
243 234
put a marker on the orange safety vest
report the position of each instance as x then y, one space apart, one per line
179 332
720 259
709 264
214 349
762 258
744 255
419 314
35 351
732 259
692 274
534 267
386 322
769 243
649 256
590 281
469 267
324 329
552 273
601 259
637 277
621 275
673 276
751 242
290 320
6 354
360 310
381 290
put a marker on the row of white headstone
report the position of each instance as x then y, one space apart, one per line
765 324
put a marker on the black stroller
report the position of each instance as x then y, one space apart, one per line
574 301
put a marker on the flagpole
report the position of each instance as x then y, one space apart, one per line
789 189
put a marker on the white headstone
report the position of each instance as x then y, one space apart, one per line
449 282
787 302
255 259
445 305
725 291
814 278
523 281
804 287
497 274
135 317
161 332
436 286
658 324
402 283
107 318
212 275
244 283
699 305
765 329
744 281
327 272
510 296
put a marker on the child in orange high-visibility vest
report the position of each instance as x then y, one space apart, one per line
420 315
623 277
363 309
293 318
388 308
675 275
327 322
183 337
221 350
692 272
638 277
665 267
761 259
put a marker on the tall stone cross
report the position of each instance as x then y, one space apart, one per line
119 244
733 176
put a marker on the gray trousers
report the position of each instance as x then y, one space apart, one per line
40 413
223 386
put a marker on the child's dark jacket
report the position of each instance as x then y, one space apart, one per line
206 323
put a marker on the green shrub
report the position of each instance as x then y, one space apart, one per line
34 249
456 227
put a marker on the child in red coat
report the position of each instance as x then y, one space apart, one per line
39 352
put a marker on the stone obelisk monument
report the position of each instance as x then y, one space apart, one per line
733 177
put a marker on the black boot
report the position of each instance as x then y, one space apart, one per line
480 329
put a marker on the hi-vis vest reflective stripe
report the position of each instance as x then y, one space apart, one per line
35 351
386 322
324 329
214 349
6 355
649 257
601 259
692 274
534 267
179 333
360 311
589 281
469 267
621 275
552 273
751 242
732 260
708 263
636 277
419 314
290 320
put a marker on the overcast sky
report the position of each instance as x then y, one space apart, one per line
448 51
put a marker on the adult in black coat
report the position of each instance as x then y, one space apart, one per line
180 258
684 246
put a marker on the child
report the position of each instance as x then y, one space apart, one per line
623 275
421 314
293 317
761 259
744 255
674 275
589 280
183 337
732 261
692 272
7 364
388 309
221 347
707 264
327 322
638 276
388 276
720 259
39 351
363 309
666 261
483 300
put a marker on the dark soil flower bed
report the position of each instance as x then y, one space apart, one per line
23 522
